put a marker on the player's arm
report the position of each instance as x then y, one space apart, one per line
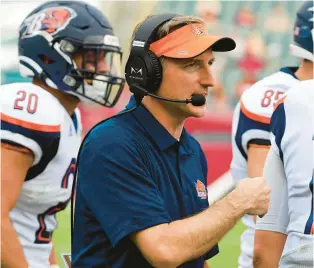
14 166
255 119
256 159
268 248
251 131
257 154
270 234
206 265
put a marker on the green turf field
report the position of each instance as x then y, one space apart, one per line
229 246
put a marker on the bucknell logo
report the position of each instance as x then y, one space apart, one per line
201 189
198 30
50 20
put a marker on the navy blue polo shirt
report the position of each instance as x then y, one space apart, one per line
132 175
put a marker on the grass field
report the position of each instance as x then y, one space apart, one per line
229 246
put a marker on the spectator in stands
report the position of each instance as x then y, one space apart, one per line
210 11
245 17
247 80
217 101
278 20
255 45
254 51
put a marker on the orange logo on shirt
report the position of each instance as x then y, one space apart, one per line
201 189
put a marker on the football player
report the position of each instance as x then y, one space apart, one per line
71 52
289 221
251 121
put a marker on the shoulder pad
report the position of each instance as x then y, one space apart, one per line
29 106
259 101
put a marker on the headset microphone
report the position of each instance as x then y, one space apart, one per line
196 100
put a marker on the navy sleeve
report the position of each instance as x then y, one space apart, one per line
278 126
214 251
117 186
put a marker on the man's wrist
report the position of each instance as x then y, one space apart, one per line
235 202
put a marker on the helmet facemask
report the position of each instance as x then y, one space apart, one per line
98 68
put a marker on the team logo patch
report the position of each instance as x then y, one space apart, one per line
50 20
201 189
198 30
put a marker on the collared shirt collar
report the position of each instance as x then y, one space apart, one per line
159 134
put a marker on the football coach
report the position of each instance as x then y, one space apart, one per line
141 196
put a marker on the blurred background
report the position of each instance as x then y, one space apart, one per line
262 31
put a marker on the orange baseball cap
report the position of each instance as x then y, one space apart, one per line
189 41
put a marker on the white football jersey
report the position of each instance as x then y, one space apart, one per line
251 124
292 127
33 118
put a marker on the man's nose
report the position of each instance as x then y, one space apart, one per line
207 78
101 66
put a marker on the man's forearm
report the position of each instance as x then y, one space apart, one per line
172 244
12 255
192 237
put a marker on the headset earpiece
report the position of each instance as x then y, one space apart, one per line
155 81
143 66
136 73
146 71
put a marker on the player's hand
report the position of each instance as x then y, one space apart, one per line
253 195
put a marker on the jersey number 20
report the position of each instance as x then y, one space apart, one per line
28 101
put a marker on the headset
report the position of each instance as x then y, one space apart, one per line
143 70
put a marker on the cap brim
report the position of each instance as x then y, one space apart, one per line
196 47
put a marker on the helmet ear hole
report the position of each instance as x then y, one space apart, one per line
46 60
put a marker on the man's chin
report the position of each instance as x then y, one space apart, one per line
197 111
